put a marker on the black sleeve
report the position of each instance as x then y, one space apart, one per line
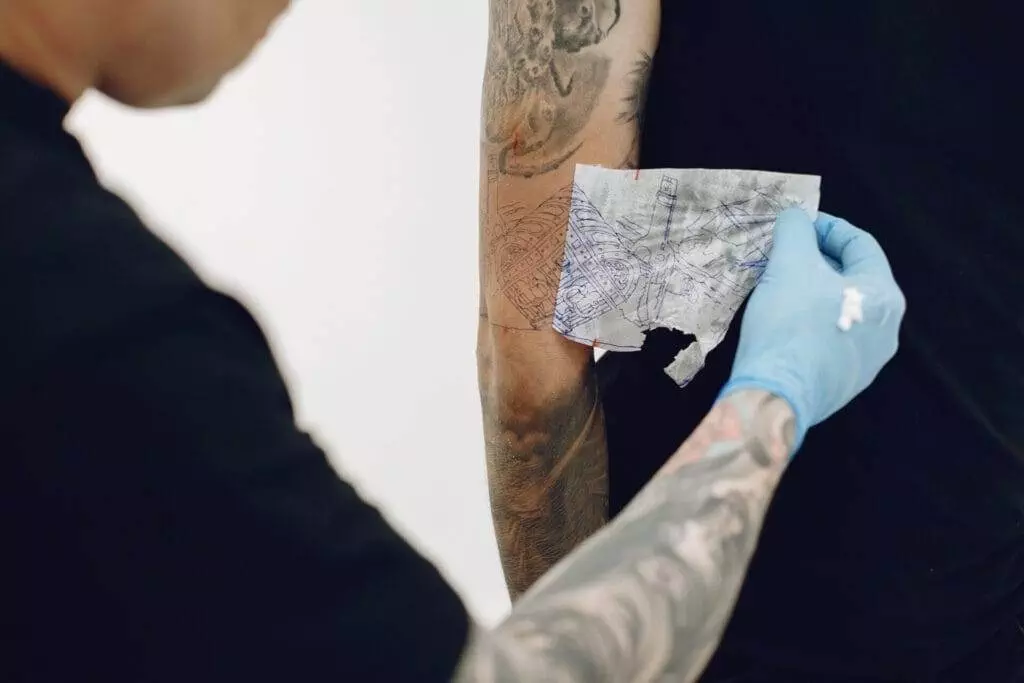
190 531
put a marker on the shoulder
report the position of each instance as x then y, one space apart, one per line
76 261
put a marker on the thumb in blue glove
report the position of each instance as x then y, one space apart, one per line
798 340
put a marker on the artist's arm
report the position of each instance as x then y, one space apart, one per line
564 84
648 598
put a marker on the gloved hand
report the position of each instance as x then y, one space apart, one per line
791 344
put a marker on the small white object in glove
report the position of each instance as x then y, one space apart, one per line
852 310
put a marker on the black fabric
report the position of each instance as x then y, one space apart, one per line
894 549
162 517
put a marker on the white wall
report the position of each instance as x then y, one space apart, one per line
332 183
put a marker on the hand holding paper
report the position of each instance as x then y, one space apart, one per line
814 334
668 248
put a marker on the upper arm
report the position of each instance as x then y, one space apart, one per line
564 84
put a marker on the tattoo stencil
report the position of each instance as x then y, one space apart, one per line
524 256
670 248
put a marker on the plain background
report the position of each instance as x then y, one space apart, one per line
331 184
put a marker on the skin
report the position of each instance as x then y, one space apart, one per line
565 83
143 53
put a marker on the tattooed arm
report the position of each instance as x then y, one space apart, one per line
564 84
648 598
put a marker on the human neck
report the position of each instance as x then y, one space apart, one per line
32 44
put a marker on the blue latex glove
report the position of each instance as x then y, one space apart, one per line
790 341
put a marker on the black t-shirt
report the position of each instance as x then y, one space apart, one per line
895 546
162 517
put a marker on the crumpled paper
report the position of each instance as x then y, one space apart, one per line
679 249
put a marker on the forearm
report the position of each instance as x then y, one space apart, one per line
649 597
544 428
547 467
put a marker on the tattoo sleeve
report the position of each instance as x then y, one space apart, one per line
648 598
560 88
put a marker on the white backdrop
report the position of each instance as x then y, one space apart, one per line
332 185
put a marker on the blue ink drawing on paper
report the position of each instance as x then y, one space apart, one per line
667 248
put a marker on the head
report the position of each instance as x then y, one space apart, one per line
144 53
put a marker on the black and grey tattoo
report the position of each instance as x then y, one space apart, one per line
648 598
634 104
542 80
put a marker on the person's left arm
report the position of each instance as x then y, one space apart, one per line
564 84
